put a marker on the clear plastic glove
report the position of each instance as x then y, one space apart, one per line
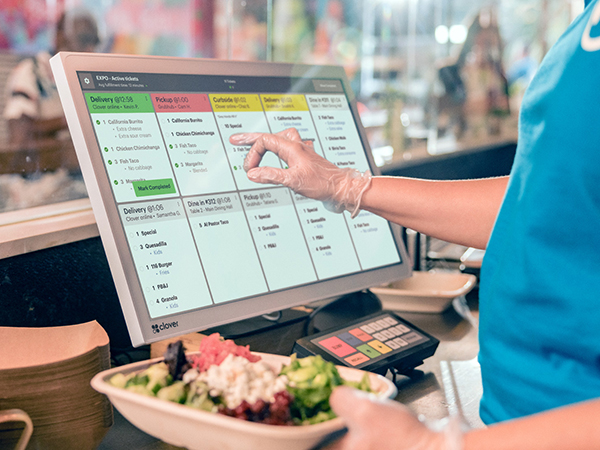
375 424
308 174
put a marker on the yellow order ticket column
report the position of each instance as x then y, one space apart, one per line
237 113
285 111
326 233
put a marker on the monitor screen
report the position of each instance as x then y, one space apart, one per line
191 242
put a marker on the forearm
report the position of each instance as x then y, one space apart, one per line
461 211
573 427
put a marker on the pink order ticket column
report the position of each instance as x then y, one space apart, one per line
193 142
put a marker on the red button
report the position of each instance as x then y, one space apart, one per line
337 346
360 334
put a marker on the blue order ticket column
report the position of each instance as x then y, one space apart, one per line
342 145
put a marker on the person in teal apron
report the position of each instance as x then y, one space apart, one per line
540 280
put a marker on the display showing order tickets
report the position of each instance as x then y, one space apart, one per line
199 231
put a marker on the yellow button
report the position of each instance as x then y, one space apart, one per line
235 102
286 102
379 346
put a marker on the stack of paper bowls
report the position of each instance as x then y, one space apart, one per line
46 372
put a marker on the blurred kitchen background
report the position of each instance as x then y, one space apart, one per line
435 79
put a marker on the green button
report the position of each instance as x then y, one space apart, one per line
153 187
368 350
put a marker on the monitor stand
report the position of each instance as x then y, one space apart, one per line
278 333
344 309
260 324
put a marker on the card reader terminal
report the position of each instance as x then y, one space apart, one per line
376 343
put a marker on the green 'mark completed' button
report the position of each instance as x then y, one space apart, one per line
100 102
153 187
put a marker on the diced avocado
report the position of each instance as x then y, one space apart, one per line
177 392
303 374
312 380
321 416
119 380
365 384
139 389
137 380
158 377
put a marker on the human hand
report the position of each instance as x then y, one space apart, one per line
308 174
375 424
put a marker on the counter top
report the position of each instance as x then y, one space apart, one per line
448 382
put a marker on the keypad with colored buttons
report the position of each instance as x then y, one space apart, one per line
374 343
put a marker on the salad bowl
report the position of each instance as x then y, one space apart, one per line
194 429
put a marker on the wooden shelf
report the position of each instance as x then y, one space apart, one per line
46 226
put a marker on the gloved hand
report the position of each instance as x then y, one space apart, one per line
308 174
375 424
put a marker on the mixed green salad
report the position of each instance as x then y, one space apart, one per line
228 379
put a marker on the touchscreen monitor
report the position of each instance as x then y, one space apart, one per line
191 242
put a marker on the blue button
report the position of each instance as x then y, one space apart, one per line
350 340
